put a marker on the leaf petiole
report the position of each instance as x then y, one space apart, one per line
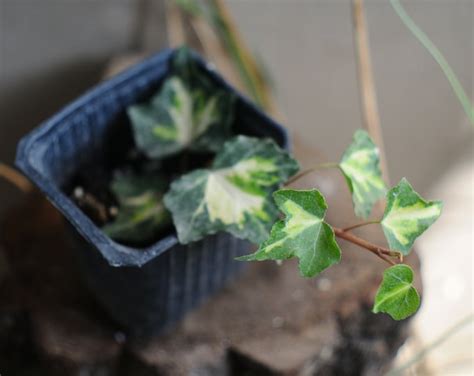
380 252
361 224
310 170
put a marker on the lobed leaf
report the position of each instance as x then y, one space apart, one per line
233 195
189 111
407 216
360 165
396 294
141 211
302 234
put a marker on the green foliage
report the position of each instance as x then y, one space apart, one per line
360 165
233 195
141 211
407 216
302 234
189 111
396 295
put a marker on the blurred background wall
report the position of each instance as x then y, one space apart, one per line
52 50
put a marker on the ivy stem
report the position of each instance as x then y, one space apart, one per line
375 249
357 225
299 175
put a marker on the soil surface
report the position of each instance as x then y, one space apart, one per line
90 189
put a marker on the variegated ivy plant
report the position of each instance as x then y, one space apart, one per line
188 112
241 191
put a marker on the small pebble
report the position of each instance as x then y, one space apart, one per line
78 192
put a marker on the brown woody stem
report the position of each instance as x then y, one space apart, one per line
381 252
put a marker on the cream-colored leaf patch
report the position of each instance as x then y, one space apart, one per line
188 111
226 202
407 216
234 195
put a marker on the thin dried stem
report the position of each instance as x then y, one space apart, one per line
243 57
381 252
15 178
215 51
366 83
438 56
175 25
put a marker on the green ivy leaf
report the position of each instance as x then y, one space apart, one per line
189 111
141 211
233 195
302 234
396 294
407 216
360 165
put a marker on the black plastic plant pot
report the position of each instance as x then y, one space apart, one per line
145 290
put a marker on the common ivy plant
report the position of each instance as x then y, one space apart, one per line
360 166
303 233
234 194
188 112
142 212
246 191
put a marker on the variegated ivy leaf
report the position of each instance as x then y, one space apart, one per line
187 112
360 166
141 211
396 294
302 234
233 195
407 216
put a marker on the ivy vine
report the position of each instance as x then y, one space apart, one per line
245 191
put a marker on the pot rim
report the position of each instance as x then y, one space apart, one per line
31 148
